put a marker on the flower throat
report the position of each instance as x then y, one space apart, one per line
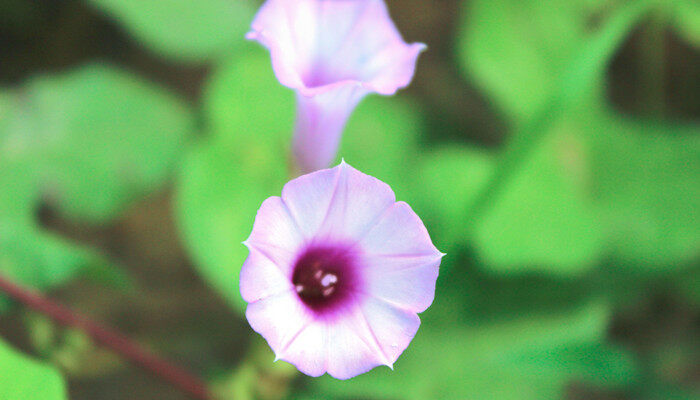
322 277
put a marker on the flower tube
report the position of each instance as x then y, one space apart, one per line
332 53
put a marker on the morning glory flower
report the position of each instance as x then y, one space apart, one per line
332 53
337 272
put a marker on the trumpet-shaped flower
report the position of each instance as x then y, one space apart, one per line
333 53
337 272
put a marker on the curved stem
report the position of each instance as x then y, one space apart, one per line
576 80
116 342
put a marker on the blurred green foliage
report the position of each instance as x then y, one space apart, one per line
22 378
685 19
87 142
572 219
456 175
242 161
97 137
530 357
578 154
189 31
541 219
646 176
519 72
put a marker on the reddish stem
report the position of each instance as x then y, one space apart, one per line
118 343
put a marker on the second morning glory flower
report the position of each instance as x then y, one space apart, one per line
333 53
337 272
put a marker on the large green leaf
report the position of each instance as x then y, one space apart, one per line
535 211
381 139
245 104
88 142
184 29
224 179
22 378
218 194
647 178
543 219
525 54
245 160
519 71
448 180
31 255
97 138
685 18
600 185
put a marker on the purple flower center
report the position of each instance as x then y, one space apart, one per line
323 277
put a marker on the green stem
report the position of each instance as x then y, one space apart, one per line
576 81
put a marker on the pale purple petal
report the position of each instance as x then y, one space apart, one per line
385 278
308 349
308 198
332 53
340 203
262 278
373 333
392 326
284 27
397 250
319 43
399 233
276 234
279 319
358 202
353 347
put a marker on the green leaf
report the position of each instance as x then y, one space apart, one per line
648 188
381 135
218 194
600 185
191 31
42 260
448 180
224 180
578 90
555 60
543 219
549 144
519 71
88 142
686 20
18 193
22 378
595 363
32 256
245 104
97 137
